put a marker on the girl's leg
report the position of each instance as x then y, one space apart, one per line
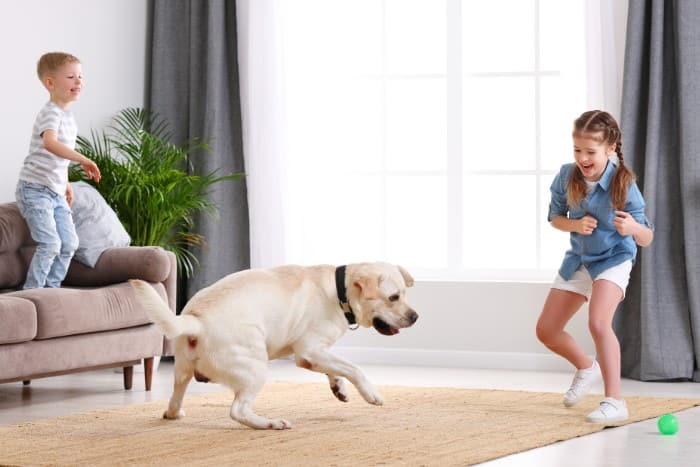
559 308
605 297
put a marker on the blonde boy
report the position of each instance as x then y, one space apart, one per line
43 193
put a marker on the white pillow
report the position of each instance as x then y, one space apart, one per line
96 224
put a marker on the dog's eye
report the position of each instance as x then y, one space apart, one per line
394 297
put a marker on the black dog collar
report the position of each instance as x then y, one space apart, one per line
342 296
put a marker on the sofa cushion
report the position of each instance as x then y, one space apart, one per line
148 263
18 320
39 358
70 311
14 239
96 224
13 271
14 232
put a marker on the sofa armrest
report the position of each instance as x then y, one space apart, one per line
170 284
149 263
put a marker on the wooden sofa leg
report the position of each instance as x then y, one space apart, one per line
27 382
148 371
128 376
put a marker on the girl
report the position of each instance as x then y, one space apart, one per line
597 200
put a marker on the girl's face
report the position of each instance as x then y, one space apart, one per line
591 156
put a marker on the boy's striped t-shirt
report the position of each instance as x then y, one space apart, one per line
41 166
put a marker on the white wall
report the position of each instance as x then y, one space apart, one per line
108 36
468 324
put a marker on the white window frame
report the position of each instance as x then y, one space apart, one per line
454 86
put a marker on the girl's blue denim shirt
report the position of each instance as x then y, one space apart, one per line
604 248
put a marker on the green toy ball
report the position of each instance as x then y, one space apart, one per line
668 424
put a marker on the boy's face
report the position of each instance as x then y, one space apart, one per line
65 83
591 156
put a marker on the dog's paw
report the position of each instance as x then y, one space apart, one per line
375 399
339 389
279 424
370 394
174 415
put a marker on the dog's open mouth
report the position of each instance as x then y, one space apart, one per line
383 327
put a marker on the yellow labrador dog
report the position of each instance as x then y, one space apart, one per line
228 331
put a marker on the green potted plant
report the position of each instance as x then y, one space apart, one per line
150 182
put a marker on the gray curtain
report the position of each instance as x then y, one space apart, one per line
193 83
659 322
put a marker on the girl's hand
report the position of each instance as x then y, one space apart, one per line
625 223
586 225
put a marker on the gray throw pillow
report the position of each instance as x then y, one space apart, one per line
96 224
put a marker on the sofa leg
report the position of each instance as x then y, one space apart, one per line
128 376
27 382
148 371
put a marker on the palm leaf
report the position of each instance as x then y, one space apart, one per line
151 183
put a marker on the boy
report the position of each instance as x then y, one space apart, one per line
43 192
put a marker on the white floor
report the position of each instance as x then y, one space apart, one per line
637 445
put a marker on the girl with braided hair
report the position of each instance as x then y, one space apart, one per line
597 201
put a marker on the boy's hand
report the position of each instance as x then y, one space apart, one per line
625 223
91 170
55 147
586 225
69 194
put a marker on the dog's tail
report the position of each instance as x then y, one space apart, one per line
171 325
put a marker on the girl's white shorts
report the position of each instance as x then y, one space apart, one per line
582 283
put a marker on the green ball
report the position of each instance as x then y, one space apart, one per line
668 424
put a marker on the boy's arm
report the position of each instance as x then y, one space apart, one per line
69 194
55 147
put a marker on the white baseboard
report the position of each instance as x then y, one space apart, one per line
453 358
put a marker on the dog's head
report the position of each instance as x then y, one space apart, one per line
377 295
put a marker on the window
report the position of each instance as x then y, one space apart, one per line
427 132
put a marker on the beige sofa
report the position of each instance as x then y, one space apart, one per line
91 322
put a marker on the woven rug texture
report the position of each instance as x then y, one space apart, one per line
415 426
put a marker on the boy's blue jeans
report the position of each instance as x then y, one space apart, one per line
51 226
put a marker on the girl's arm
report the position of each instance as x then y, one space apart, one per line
632 220
626 224
585 226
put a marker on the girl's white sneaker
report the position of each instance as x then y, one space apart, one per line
583 380
610 410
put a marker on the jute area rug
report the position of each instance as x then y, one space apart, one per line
416 426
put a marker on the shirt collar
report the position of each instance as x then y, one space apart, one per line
607 178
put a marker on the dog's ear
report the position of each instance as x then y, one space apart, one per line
368 285
407 278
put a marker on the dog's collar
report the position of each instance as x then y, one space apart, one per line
343 298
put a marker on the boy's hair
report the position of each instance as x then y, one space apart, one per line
600 126
52 61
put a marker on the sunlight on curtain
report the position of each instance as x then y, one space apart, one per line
260 67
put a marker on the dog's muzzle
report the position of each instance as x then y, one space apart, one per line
385 328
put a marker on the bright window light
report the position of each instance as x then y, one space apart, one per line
428 132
